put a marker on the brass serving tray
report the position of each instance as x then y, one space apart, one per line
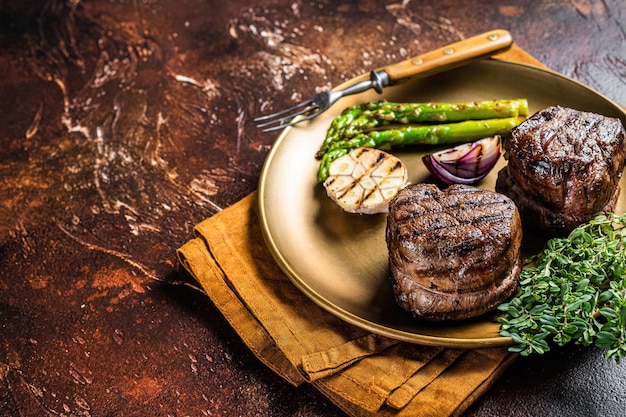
339 260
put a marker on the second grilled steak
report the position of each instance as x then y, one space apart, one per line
564 168
453 254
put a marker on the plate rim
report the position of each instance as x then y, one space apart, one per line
342 313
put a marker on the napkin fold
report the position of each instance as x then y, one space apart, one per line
362 373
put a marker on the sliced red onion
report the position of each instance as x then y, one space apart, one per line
467 163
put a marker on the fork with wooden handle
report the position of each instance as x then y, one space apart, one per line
451 56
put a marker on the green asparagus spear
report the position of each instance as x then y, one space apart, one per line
434 134
355 119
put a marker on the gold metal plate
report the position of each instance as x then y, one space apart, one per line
339 260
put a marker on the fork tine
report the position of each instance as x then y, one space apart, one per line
281 121
278 127
285 111
314 112
281 126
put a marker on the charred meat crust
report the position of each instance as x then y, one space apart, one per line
564 168
453 254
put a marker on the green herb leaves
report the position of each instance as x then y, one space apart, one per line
573 291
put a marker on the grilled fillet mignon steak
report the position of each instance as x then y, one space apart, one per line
453 254
564 168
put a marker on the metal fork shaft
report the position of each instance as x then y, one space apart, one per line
321 102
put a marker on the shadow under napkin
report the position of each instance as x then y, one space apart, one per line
364 374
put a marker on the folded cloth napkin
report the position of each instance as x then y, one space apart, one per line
362 373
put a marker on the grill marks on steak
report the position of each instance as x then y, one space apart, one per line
564 168
453 254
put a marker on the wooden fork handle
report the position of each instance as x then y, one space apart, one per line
451 56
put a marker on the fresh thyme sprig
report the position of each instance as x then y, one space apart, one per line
574 291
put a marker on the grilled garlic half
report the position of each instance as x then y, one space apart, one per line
467 163
365 180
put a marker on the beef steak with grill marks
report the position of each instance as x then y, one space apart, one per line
564 168
453 254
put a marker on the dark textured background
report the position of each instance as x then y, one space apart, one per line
124 123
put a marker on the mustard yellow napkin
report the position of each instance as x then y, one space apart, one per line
362 373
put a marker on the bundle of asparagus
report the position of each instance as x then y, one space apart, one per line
386 125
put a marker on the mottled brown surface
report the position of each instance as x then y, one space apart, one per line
124 123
